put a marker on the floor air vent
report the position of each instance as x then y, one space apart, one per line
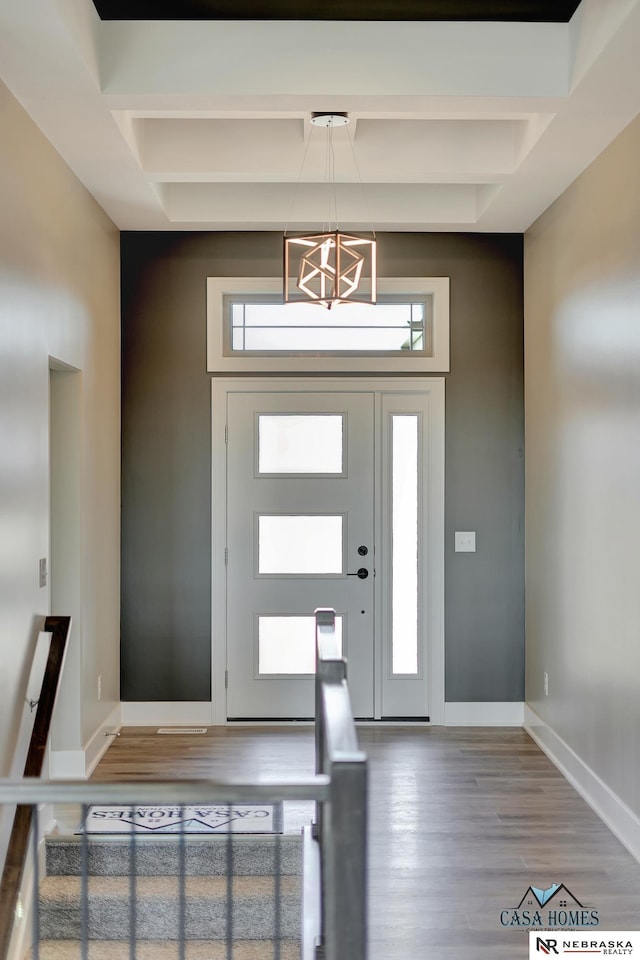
182 730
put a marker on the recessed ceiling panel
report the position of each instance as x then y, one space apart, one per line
549 11
221 149
255 206
402 151
195 115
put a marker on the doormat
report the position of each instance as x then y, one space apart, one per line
168 818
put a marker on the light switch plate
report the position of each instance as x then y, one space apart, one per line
465 541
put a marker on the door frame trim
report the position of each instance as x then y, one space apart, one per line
220 389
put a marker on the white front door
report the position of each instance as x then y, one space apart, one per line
300 512
332 494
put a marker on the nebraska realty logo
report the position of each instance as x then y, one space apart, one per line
556 907
607 943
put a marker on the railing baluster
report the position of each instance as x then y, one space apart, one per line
133 888
277 894
229 865
182 880
84 884
35 834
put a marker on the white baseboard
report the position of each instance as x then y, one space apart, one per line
101 740
620 819
166 714
80 764
482 714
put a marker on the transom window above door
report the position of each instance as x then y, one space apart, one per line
268 327
250 329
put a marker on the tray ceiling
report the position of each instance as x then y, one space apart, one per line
204 125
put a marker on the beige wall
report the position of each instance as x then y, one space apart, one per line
582 427
60 303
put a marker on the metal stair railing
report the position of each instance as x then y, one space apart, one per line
341 823
18 846
339 790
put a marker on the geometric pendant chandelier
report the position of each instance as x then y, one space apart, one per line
331 266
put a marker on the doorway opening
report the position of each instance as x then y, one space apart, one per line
328 493
65 573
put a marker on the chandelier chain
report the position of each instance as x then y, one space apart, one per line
359 175
297 186
332 174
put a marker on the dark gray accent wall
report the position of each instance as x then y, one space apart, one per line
166 453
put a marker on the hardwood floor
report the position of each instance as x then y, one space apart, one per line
462 821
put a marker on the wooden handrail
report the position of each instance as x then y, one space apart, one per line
59 628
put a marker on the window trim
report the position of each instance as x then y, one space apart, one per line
407 362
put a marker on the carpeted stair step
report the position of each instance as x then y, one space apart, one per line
165 950
161 856
156 908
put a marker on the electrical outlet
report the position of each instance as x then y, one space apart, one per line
43 573
100 687
546 684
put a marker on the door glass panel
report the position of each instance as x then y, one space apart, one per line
404 626
287 644
300 544
301 443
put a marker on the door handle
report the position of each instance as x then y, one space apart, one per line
362 573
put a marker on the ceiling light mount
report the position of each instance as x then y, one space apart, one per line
330 266
333 119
